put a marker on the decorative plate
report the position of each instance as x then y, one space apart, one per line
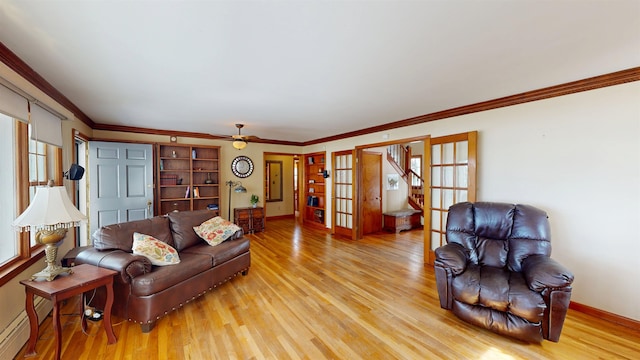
242 166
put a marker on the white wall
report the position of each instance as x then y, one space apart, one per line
578 158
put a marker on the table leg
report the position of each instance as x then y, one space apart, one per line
107 314
83 317
33 324
57 329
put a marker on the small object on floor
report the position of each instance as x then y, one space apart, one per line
93 315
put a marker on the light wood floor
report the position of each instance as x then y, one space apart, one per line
311 296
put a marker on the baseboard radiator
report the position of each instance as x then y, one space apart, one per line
16 335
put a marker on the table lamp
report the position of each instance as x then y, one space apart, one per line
50 214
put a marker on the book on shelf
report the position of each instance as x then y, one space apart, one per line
196 192
312 200
187 193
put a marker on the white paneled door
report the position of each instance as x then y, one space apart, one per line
120 183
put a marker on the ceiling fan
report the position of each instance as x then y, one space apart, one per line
240 141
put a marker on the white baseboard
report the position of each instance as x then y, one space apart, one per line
16 335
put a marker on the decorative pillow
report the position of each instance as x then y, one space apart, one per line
158 252
216 230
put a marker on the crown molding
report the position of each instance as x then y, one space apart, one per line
596 82
149 131
21 68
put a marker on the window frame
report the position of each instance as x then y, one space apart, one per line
27 254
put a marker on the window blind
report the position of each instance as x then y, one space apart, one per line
45 126
12 104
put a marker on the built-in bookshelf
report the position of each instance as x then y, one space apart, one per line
314 189
188 178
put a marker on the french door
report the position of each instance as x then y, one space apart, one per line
451 163
343 193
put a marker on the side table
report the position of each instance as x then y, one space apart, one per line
84 278
250 219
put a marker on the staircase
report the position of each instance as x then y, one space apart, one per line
400 158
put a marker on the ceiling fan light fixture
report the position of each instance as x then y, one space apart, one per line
239 144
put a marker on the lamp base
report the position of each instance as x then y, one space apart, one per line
50 272
50 253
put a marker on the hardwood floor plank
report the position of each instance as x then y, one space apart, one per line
309 295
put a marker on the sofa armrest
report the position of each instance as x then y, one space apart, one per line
452 256
126 264
542 272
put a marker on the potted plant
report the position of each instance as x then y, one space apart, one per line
254 200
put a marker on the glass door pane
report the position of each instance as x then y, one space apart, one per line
343 193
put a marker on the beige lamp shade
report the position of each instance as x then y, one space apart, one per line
49 215
50 209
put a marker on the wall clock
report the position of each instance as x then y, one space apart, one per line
242 166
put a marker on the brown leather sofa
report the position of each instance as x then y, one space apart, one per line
495 271
143 293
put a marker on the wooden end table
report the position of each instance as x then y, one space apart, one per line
84 278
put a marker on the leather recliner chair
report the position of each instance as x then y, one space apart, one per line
496 272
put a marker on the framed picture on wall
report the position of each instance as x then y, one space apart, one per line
393 181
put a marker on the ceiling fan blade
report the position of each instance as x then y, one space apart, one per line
237 136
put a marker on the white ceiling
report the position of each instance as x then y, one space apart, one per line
304 70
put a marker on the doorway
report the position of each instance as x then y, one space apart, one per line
392 197
79 155
280 185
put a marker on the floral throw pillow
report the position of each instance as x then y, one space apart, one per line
158 252
216 230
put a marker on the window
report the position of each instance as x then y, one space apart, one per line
9 248
37 170
416 167
27 164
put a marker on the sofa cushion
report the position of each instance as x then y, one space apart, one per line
216 230
120 236
182 224
159 253
498 289
164 277
220 253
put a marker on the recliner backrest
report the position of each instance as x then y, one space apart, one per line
499 234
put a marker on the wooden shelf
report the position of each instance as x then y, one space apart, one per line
190 166
314 206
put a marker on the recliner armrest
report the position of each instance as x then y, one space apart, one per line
126 264
542 272
452 256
